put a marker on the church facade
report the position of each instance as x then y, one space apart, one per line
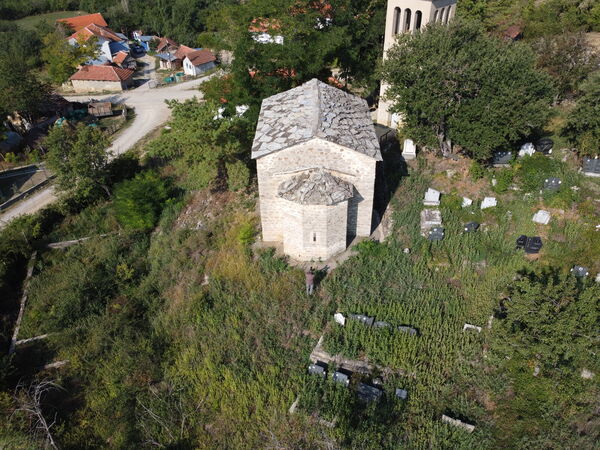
409 16
316 150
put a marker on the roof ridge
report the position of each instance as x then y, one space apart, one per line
317 124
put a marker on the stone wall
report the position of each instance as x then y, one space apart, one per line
314 232
349 165
99 86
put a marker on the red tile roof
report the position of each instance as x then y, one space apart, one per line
183 51
165 42
199 57
79 22
120 57
264 25
102 73
513 32
96 30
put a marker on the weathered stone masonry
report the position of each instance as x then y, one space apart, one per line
321 141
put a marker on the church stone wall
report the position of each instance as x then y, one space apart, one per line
314 232
349 165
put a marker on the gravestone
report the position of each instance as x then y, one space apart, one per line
471 226
527 149
544 146
488 202
591 167
342 378
468 326
365 320
409 149
501 158
533 245
466 202
541 217
552 184
316 369
521 241
339 318
432 197
436 234
401 394
430 218
408 330
580 271
368 393
381 324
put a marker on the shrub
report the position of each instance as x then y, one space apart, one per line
477 171
533 170
504 179
238 175
139 201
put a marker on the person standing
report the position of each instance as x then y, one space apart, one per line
310 281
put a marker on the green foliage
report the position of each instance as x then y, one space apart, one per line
583 125
246 234
20 90
568 58
203 145
139 201
556 16
238 175
476 170
79 158
456 82
504 178
531 171
552 319
62 58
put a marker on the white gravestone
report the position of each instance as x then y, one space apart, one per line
466 202
488 202
542 217
339 318
468 326
409 149
527 149
432 198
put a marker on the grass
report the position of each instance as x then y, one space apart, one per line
30 22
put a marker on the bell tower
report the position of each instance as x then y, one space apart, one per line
409 16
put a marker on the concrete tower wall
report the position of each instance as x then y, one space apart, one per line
409 16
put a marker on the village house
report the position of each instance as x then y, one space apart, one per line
124 60
316 150
198 61
102 78
109 42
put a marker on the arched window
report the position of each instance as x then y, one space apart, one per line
396 29
435 14
447 14
441 16
418 18
407 17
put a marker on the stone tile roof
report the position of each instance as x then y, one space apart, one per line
315 187
102 73
315 110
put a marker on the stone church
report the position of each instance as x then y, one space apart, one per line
316 151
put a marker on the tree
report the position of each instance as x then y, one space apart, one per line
201 143
79 158
583 124
139 201
568 58
62 58
457 83
20 90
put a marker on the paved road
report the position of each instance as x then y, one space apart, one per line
151 111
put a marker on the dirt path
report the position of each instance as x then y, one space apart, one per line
151 111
